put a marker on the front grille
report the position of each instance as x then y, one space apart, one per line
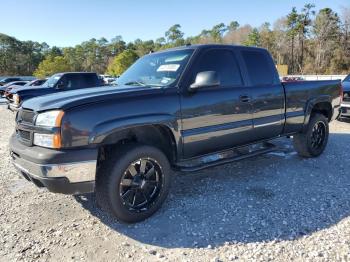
25 135
25 123
26 116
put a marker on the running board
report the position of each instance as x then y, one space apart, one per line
224 157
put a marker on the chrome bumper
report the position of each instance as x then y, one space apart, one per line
75 172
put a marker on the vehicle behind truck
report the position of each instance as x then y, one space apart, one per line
345 106
57 83
182 109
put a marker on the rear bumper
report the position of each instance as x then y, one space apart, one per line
67 172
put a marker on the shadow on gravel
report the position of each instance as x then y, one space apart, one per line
278 196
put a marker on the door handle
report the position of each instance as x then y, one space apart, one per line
244 98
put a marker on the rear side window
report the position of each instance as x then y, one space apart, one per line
259 68
224 63
73 81
89 80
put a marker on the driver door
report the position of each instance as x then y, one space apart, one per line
219 117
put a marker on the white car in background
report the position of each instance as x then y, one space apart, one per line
107 79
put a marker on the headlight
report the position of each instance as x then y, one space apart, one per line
49 119
16 99
47 140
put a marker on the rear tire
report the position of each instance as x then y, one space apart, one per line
313 141
133 183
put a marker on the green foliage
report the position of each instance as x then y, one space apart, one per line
234 25
253 38
217 32
174 34
121 62
20 57
52 65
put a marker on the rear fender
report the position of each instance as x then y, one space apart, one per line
311 105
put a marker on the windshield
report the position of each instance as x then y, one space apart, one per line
51 82
347 79
160 70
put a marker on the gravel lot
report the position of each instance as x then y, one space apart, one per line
275 207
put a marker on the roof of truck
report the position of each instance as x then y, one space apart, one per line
205 46
77 73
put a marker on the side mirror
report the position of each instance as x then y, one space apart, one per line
205 79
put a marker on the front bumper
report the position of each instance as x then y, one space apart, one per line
67 172
12 107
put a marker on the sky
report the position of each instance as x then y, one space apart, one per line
70 22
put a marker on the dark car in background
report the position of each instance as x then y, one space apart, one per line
9 80
11 85
57 83
18 84
345 106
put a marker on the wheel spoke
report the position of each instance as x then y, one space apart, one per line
127 194
146 197
143 166
149 172
134 199
132 170
151 183
126 182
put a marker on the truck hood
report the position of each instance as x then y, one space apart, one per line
19 89
68 99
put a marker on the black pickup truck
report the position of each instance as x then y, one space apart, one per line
182 109
57 83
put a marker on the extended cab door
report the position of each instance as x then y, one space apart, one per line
77 81
72 81
267 93
218 117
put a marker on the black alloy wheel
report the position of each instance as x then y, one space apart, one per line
141 184
133 182
318 135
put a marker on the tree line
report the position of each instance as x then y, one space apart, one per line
309 42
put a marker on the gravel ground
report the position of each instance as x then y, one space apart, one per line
274 207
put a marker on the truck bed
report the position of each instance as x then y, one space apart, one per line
300 95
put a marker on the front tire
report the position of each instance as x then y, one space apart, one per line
313 141
134 182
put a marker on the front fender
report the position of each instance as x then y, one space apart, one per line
101 131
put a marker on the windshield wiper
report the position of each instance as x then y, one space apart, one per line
135 83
